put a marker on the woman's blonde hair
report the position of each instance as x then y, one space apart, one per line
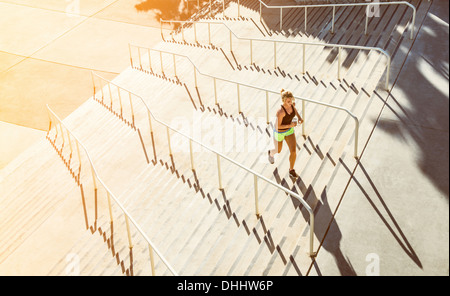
286 94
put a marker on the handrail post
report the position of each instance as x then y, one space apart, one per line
79 155
150 121
274 54
260 11
62 133
195 76
267 107
281 18
215 91
151 131
93 177
70 143
306 18
304 58
131 107
239 9
251 52
131 58
109 206
367 19
152 259
120 101
332 22
182 32
195 33
311 235
231 43
174 66
162 68
49 120
168 140
139 55
303 117
223 8
130 244
256 196
101 90
219 173
192 155
388 71
413 22
150 60
209 33
239 99
93 81
110 93
339 62
356 137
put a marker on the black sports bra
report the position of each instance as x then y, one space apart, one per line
287 119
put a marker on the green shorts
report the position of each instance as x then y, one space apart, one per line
279 136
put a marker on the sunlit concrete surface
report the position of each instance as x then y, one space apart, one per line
25 30
100 50
7 60
18 139
139 12
80 7
31 84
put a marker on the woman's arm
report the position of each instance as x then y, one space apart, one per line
300 119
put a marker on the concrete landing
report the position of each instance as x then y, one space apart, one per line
394 216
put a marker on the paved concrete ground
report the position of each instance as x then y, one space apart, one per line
394 216
42 63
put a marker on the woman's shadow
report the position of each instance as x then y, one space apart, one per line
333 235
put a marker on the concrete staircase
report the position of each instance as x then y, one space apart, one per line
202 229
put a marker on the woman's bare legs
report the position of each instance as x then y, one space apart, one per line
292 144
277 149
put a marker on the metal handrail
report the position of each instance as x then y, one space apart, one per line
275 41
334 11
254 87
219 156
110 195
